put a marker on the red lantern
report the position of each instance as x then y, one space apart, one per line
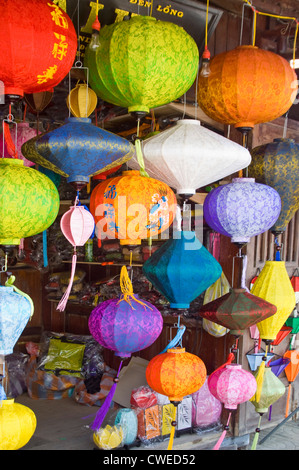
175 374
39 44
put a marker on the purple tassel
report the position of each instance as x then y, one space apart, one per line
100 416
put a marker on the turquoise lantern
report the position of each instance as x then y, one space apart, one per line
78 150
182 269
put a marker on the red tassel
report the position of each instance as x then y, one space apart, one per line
10 146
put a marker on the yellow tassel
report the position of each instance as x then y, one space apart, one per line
170 443
260 379
127 289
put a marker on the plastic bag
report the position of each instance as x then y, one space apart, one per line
145 403
216 290
206 409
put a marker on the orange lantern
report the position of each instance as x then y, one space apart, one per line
176 374
132 207
291 371
247 86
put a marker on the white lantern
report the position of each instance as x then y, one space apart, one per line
189 156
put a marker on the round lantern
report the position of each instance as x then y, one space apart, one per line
16 309
77 150
189 156
277 165
37 102
29 201
132 207
274 286
241 82
77 225
237 310
272 390
36 57
242 209
20 134
17 425
82 100
181 269
127 419
231 385
142 63
125 326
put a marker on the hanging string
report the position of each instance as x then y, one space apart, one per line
285 126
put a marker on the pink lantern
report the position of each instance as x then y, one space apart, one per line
19 133
231 385
206 409
77 225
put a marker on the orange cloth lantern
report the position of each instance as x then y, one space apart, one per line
132 207
247 86
291 371
176 374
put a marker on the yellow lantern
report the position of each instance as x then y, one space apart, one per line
17 425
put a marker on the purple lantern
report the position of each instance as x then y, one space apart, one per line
125 325
242 209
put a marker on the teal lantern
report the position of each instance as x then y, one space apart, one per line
276 164
181 269
142 63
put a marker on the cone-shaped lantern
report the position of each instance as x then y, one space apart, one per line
142 63
241 209
272 390
237 310
281 335
181 269
175 374
188 156
291 371
274 286
241 82
77 150
277 165
36 57
29 201
132 207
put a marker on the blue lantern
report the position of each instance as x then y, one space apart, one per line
78 150
182 269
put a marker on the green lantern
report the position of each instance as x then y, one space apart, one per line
29 201
142 63
277 165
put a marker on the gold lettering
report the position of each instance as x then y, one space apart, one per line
120 14
61 4
58 17
47 74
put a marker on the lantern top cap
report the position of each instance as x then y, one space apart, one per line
189 121
12 161
233 366
243 180
176 350
131 172
8 401
247 46
77 119
281 139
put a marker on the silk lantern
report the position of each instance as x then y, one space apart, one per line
277 165
240 84
77 225
188 156
175 374
181 269
82 100
142 63
17 425
20 133
232 385
237 310
37 57
277 367
29 201
274 286
78 150
291 371
131 207
37 102
272 390
242 209
124 325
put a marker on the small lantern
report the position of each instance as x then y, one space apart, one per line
77 225
175 374
17 425
277 367
82 100
181 269
241 209
295 283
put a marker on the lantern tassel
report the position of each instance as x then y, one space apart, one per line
288 400
260 379
221 438
140 158
8 141
173 425
257 434
100 416
127 289
63 301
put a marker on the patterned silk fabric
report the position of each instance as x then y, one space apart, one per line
247 86
272 390
176 373
142 63
277 165
17 425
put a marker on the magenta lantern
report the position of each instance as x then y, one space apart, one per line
19 133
